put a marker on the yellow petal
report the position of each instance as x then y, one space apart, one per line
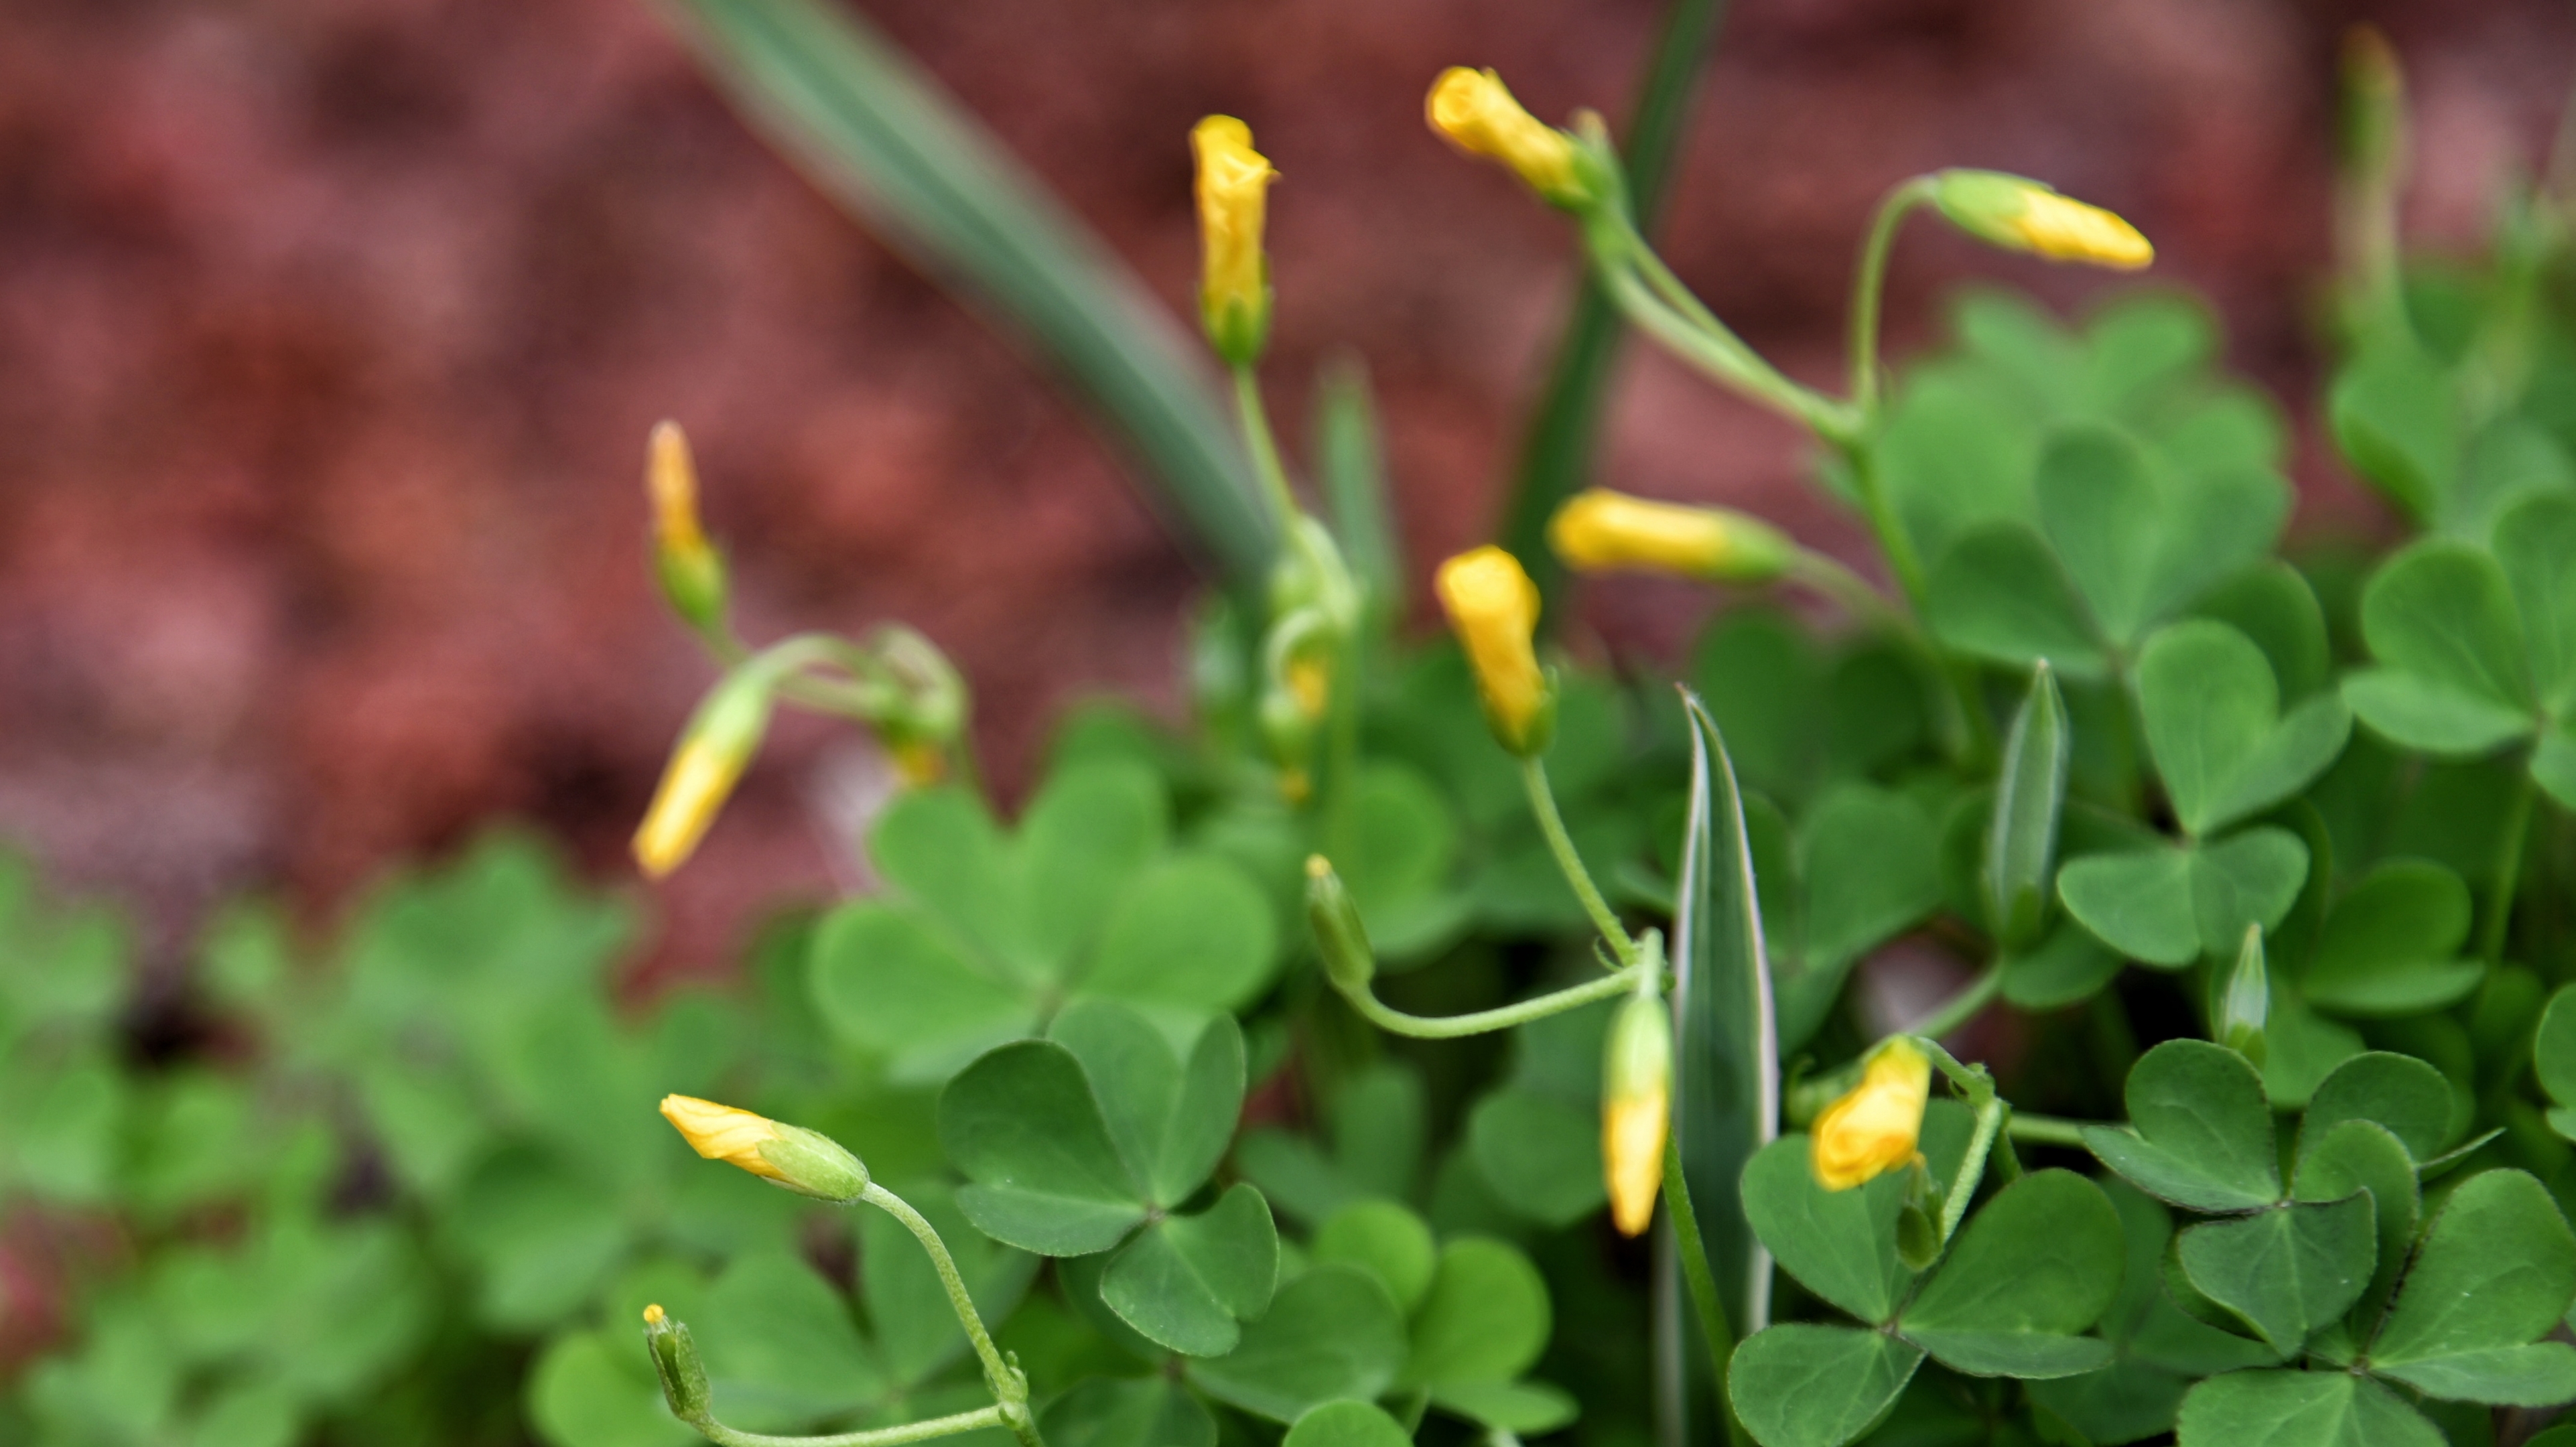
1477 114
1493 607
723 1133
1874 1129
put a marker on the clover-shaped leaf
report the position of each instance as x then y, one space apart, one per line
2287 1271
2553 1059
2221 743
2199 1132
2170 904
2300 1409
1071 1144
2495 1271
2390 945
1329 1334
985 931
2476 649
1805 1385
2032 1269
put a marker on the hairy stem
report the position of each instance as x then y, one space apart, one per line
1448 1027
718 1432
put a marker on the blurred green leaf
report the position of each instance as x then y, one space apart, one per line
1387 1240
1153 1412
2214 725
1486 1318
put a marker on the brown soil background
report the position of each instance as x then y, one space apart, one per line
330 331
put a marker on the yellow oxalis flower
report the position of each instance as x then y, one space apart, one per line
1493 606
693 790
1478 115
1874 1129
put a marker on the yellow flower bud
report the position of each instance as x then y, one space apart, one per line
713 752
791 1156
1599 531
1873 1130
1636 1109
1310 682
691 572
1473 110
2019 214
1493 607
919 764
1234 293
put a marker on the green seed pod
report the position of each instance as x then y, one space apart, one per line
1339 936
675 1361
2246 1007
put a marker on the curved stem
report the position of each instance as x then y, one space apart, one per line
2045 1130
1552 824
1962 1007
1006 1380
1264 448
1450 1027
1655 300
718 1432
1868 282
2508 871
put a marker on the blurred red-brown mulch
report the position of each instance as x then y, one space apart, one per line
329 334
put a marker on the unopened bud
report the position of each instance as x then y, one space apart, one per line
1475 112
714 750
2019 214
1636 1108
2247 1005
1874 1129
692 573
1234 288
1493 608
675 1361
1339 936
1600 531
806 1162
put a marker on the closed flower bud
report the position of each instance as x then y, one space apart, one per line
1601 531
1473 110
1234 290
2023 215
1493 607
713 752
1636 1109
923 714
1873 1130
691 572
1339 936
675 1361
2246 1007
803 1161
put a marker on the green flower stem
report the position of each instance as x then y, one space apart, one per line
1962 1007
1991 1114
1651 297
1869 280
1893 540
1967 735
2045 1130
1450 1027
1257 440
1007 1381
1714 1325
2508 870
718 1432
1552 824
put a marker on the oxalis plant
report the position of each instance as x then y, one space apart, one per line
2301 832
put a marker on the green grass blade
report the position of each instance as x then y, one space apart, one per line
882 139
1556 451
1726 1075
1350 462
